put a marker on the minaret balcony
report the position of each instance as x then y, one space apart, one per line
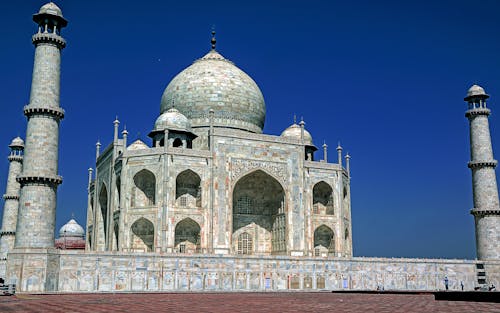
485 212
7 233
10 197
55 112
481 164
18 158
477 111
44 180
49 38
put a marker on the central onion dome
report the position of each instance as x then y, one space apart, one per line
214 82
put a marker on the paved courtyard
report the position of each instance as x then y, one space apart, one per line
238 302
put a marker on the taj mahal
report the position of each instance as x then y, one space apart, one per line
210 203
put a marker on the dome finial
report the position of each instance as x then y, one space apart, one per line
295 119
213 41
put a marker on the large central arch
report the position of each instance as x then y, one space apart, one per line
259 210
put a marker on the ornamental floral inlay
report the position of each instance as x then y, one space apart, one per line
241 167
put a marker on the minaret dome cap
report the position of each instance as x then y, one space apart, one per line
52 10
17 143
476 91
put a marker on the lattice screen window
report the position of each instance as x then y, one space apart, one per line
245 244
183 201
182 248
244 205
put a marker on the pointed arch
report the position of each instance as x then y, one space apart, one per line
103 203
142 235
144 189
177 143
324 239
188 189
259 202
323 199
187 236
115 236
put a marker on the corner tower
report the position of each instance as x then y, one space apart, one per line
11 196
39 179
486 209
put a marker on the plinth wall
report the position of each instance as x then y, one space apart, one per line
73 271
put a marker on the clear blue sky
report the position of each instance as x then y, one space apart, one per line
386 78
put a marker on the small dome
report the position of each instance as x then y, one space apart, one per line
71 229
294 132
17 142
137 145
50 8
173 119
476 91
214 82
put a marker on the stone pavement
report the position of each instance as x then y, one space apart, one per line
238 302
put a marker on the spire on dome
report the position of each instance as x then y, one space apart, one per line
213 41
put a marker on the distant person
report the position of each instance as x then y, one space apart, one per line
446 282
462 285
492 288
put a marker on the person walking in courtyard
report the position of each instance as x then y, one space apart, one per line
446 282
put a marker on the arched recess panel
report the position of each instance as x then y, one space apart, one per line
323 199
142 236
188 189
187 236
103 203
324 240
259 204
144 189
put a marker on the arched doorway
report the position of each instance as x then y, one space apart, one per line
324 241
259 210
187 236
142 236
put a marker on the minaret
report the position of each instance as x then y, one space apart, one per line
39 178
486 209
11 197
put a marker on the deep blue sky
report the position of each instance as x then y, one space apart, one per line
387 78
